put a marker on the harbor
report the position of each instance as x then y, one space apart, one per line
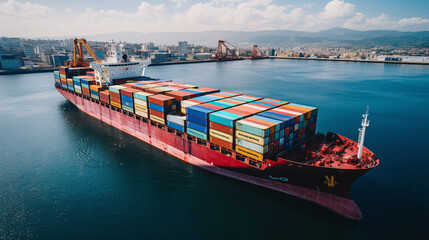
86 160
219 119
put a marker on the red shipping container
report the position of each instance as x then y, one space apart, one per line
104 93
104 99
104 96
157 113
161 100
86 92
221 128
221 143
115 99
128 92
116 95
180 95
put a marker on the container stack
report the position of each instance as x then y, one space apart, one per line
95 89
127 99
145 85
70 84
157 90
303 124
181 95
68 72
140 103
222 123
57 78
205 99
115 95
77 84
161 105
177 122
64 74
258 137
85 83
105 96
198 121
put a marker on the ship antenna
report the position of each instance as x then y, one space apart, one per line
365 123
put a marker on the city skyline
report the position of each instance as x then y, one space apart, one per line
49 18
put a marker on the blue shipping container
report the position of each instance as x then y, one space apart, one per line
128 104
196 133
196 127
126 98
196 120
176 126
158 107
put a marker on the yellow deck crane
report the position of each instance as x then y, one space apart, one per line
78 60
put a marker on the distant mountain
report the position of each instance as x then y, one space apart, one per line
335 37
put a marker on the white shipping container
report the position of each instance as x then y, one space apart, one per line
140 102
180 120
186 104
258 107
142 114
251 146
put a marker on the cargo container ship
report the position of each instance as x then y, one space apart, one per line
263 141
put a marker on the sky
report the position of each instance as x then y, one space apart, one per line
52 18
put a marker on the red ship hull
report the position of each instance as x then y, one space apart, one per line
298 180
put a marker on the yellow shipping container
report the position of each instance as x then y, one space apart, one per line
141 108
249 137
157 119
249 153
115 104
221 136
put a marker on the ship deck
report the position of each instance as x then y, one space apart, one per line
331 151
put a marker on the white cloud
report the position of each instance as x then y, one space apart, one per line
239 15
384 21
23 10
178 2
337 9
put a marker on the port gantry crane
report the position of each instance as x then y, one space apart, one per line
224 53
256 53
78 60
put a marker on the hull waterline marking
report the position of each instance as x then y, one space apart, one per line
279 178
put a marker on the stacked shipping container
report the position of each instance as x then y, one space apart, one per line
140 103
85 85
160 106
115 95
253 127
127 99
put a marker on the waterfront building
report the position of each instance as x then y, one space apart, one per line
9 62
57 60
28 51
183 47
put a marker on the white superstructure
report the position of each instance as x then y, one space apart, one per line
117 65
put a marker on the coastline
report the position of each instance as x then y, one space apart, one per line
350 60
26 71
